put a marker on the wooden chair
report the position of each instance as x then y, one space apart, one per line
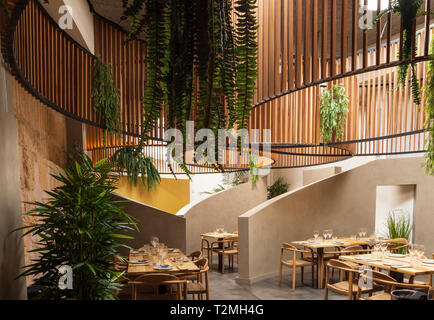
201 287
205 246
194 256
227 247
294 263
350 251
149 287
388 284
395 245
348 287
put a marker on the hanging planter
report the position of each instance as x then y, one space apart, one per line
199 64
333 113
409 10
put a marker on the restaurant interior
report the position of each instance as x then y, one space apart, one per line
216 150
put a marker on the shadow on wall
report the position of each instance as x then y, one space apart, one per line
169 228
344 203
222 209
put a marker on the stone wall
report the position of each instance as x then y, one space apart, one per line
42 147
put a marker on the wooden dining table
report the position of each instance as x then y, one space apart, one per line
320 247
176 259
219 237
379 263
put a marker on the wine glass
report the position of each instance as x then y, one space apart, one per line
154 241
412 251
325 234
420 251
364 232
316 234
330 234
384 247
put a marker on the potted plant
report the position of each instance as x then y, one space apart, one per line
80 226
279 187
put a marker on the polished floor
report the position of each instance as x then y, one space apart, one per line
224 287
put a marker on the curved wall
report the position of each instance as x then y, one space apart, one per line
222 209
345 203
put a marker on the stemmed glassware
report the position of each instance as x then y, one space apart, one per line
316 235
155 241
325 234
330 234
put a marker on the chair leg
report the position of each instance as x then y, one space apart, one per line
293 278
280 274
223 263
302 275
326 291
313 276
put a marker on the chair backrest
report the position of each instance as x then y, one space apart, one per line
352 250
202 264
154 281
431 293
196 255
340 265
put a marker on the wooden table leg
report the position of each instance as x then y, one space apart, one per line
320 253
220 255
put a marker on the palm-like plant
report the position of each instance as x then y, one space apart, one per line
409 10
80 225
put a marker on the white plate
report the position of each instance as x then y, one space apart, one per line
366 258
428 261
394 264
396 255
139 261
173 251
163 268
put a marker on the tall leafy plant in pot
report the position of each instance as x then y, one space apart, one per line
81 226
333 113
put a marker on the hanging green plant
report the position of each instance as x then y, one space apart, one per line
4 7
333 113
254 171
196 39
81 226
278 188
409 10
130 160
105 94
429 111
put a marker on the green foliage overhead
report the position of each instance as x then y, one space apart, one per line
278 188
105 94
409 10
429 111
80 225
398 227
4 7
333 112
132 161
196 39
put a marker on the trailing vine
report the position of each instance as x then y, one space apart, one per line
4 7
409 10
429 111
196 41
333 113
105 94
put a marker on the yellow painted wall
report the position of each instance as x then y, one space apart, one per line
170 196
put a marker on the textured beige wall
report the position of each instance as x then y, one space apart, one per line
42 147
344 203
11 244
223 209
314 175
169 228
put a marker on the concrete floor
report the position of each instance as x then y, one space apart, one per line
224 287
